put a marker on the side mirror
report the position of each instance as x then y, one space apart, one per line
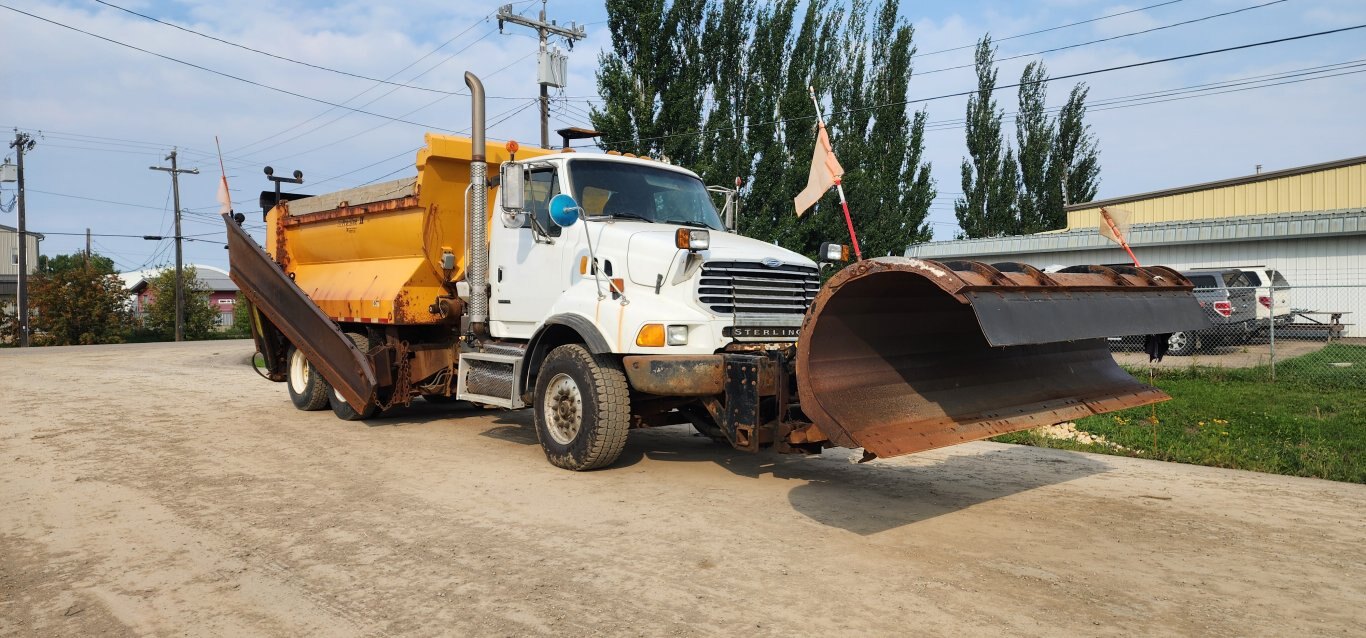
564 211
512 187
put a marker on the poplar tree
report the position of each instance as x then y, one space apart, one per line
1075 151
987 207
1040 196
720 86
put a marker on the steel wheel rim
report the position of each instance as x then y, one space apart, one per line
298 372
337 393
563 409
1177 341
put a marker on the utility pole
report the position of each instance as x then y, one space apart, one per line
87 246
179 275
22 142
551 66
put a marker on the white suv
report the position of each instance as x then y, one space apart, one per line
1269 280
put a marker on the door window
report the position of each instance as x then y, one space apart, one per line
541 186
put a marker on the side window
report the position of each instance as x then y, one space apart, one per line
541 185
1202 281
1253 279
1236 279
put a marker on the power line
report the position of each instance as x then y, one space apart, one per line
392 75
183 237
285 58
1114 37
1063 26
1202 89
383 124
223 74
1069 76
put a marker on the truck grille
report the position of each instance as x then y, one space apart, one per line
745 287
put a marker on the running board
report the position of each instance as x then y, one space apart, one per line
490 379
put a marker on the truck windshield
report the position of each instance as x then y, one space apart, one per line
618 189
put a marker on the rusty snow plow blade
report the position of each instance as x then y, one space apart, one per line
902 355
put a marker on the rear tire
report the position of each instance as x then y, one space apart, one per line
308 390
340 407
582 408
1182 344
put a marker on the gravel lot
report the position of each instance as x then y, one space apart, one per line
166 489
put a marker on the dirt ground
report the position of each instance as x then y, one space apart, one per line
167 490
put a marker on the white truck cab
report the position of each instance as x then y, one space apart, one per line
640 254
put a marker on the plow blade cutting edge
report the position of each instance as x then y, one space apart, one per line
901 355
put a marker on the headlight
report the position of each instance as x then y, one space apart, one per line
693 239
678 335
831 251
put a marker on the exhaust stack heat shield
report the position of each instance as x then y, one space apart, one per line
901 355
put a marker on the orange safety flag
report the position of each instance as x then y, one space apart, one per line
1114 224
224 197
825 172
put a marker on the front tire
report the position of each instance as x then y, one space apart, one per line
582 408
308 390
340 407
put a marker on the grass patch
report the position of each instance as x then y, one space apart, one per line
1310 422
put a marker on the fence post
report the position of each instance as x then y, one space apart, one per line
1272 332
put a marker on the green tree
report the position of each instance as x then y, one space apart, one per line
990 177
891 185
62 263
1075 150
1040 196
241 317
721 86
78 301
200 317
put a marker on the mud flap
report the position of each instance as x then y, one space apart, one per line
902 355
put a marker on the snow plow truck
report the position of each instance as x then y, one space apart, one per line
604 292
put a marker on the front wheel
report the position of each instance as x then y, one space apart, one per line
308 390
582 408
340 407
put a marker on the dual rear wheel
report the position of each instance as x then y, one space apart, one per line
308 390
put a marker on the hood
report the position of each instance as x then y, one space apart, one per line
651 250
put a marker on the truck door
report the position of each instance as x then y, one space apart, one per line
526 272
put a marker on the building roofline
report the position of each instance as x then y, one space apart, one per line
16 230
1235 181
1220 229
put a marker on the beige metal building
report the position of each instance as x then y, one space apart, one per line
1307 222
9 261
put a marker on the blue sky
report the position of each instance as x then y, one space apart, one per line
108 112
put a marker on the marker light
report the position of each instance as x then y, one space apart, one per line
651 334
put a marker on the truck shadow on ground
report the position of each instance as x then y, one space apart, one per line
874 497
829 488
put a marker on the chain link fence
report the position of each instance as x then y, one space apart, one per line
1267 329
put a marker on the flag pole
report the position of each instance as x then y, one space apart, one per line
839 185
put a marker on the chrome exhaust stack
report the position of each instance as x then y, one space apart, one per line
476 216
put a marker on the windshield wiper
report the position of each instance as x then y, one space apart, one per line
687 222
631 216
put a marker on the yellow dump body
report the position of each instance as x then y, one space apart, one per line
374 254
